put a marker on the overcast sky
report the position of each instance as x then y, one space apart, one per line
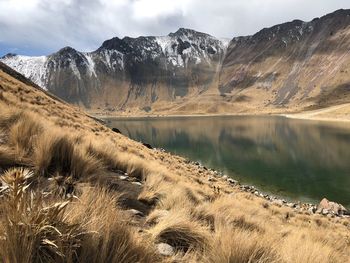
40 27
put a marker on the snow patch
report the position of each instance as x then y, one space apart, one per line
90 64
33 68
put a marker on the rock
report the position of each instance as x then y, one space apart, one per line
224 177
291 205
231 181
336 208
147 145
123 177
324 211
137 183
165 249
256 193
311 210
135 212
116 130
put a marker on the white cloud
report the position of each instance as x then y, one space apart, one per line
47 25
157 8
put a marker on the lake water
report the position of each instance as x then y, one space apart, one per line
296 159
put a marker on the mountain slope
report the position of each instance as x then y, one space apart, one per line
75 199
294 65
289 67
130 71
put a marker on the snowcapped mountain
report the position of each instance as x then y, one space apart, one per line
291 66
165 67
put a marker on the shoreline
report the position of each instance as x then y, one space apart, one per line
311 208
176 115
311 118
306 115
280 200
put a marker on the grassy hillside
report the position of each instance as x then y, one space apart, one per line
70 188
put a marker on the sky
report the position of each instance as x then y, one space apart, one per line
41 27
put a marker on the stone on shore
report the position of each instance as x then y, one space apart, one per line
327 206
232 181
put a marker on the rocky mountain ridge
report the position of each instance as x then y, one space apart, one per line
143 64
288 67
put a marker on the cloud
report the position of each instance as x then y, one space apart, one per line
44 26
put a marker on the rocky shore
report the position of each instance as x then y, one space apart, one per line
325 207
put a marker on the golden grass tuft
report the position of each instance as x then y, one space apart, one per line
111 239
23 135
179 231
61 154
31 229
236 246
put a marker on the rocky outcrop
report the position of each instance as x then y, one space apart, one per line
326 207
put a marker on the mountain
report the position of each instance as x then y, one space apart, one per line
295 65
73 190
289 67
130 71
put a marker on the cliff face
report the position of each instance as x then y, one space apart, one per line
293 66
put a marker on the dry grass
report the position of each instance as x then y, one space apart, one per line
60 210
237 245
179 231
111 238
33 229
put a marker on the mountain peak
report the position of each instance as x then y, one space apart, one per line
67 50
187 32
115 43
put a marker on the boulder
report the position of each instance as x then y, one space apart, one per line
231 181
291 205
165 249
330 206
123 177
147 145
116 130
135 212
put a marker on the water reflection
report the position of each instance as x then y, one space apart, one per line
299 159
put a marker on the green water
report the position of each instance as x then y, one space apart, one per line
299 160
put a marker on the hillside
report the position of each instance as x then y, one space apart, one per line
295 65
88 194
290 67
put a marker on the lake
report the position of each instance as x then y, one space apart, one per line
295 159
